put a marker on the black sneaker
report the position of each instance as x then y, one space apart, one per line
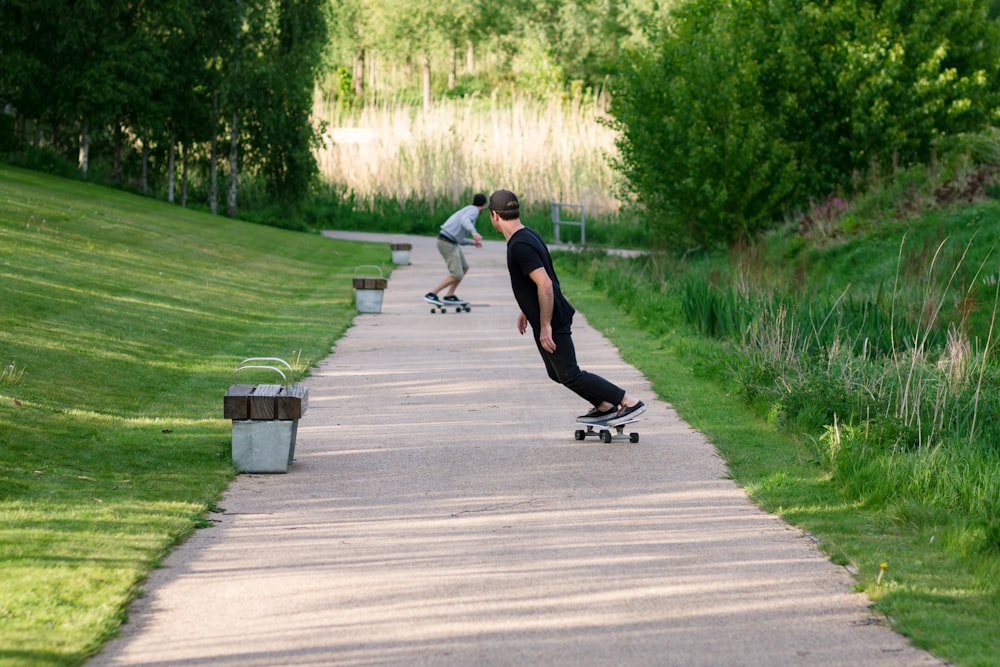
431 297
596 415
454 300
627 414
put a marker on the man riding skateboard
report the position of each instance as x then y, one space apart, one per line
543 306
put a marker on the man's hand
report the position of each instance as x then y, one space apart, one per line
545 339
477 239
522 323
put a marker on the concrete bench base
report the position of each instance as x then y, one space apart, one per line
264 445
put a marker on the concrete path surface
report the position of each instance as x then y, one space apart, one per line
440 512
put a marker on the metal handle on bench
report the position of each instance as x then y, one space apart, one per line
271 368
369 266
291 371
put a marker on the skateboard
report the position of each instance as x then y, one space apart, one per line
443 306
603 430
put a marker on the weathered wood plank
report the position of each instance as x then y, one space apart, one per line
236 402
370 283
292 402
262 401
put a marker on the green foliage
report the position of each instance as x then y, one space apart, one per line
122 88
45 160
280 128
897 389
741 110
538 47
697 147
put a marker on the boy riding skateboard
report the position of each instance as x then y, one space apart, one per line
452 236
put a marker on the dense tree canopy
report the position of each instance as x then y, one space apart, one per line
729 111
744 107
140 77
542 46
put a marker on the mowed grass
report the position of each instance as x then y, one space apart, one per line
121 321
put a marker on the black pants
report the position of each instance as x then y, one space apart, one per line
562 368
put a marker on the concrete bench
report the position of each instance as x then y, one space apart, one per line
265 419
368 290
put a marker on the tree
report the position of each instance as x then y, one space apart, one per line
289 51
742 109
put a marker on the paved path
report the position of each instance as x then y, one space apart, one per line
440 512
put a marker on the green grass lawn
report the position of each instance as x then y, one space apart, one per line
121 321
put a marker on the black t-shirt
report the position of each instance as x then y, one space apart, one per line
526 251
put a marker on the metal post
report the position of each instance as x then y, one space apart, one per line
557 220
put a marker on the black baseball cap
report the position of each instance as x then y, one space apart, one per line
504 200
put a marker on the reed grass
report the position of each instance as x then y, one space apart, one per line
554 150
919 527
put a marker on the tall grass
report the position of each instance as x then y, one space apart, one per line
912 424
894 381
556 150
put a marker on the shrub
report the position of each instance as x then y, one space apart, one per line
743 109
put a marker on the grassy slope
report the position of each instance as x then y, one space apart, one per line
127 317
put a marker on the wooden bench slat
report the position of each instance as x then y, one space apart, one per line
291 403
262 401
370 283
236 402
265 401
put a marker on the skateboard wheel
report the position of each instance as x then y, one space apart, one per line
606 436
580 434
633 437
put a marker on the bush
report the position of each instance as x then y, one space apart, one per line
741 110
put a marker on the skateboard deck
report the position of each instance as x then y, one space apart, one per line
443 306
603 430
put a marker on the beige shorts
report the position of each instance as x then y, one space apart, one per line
454 258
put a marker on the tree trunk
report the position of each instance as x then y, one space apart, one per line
85 150
170 169
116 169
235 128
470 57
233 165
359 72
144 177
184 176
213 167
425 67
452 66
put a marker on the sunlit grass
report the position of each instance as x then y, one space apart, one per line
121 321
